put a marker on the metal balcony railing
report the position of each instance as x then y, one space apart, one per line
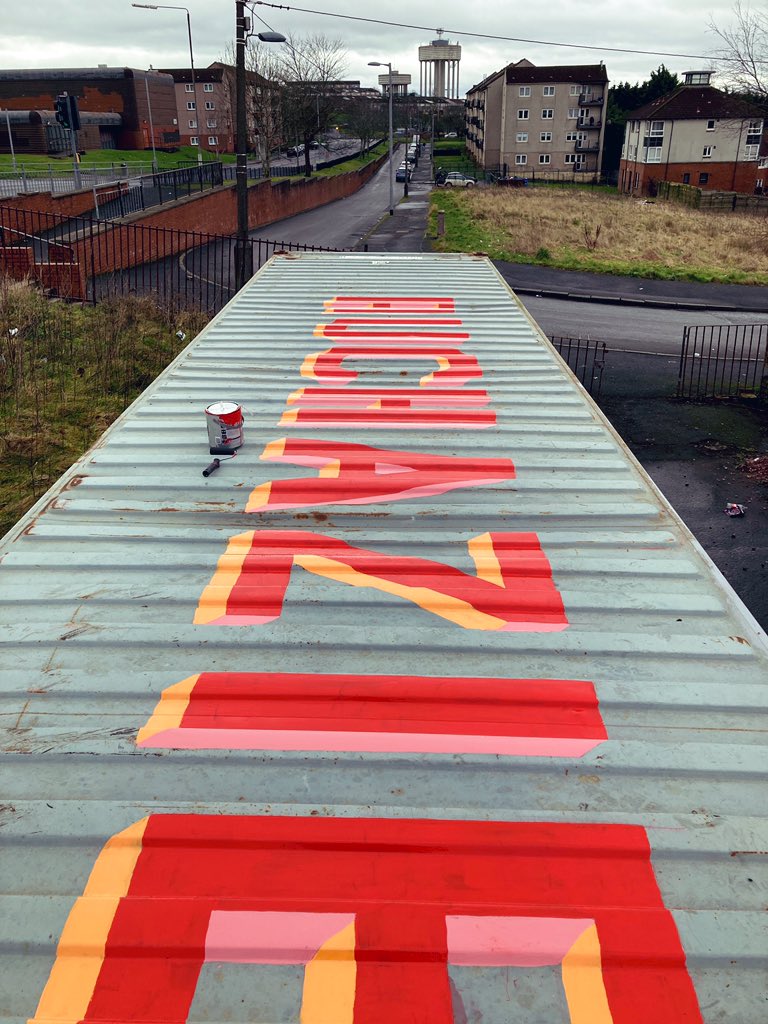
590 101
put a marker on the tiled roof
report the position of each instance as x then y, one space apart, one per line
694 102
562 73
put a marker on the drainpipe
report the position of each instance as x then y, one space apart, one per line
736 161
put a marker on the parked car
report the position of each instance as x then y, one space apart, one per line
314 144
295 150
403 172
454 179
450 135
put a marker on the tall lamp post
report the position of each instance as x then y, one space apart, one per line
198 121
243 251
386 64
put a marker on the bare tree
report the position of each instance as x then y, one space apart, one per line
744 49
310 68
265 98
366 118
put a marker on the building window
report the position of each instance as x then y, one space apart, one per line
573 158
210 105
710 126
548 113
545 136
192 124
522 115
213 140
193 140
190 104
750 152
575 90
522 136
653 155
549 90
521 158
573 113
686 178
211 124
706 153
657 128
525 90
703 178
189 87
544 158
208 87
586 90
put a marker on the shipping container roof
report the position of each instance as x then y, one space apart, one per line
425 706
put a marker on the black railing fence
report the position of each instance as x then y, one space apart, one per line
87 260
586 359
723 361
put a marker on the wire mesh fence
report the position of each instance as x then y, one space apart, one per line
723 361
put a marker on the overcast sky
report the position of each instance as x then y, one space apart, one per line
84 33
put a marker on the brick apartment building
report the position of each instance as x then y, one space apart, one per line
114 104
205 110
695 135
542 119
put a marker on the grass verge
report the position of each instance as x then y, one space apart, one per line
603 233
38 164
66 372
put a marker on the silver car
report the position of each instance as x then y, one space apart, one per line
455 179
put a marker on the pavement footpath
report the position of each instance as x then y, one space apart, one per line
699 454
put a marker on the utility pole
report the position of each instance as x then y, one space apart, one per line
243 251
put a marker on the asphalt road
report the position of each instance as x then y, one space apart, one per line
343 224
626 328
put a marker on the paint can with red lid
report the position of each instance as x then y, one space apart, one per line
225 427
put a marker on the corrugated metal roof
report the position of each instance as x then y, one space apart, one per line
465 727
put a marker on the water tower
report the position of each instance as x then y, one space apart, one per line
439 68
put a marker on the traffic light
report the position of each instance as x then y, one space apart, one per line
67 112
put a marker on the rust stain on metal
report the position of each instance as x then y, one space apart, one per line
739 640
749 853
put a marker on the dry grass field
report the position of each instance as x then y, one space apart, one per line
580 229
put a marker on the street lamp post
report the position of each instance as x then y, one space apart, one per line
243 251
386 64
198 122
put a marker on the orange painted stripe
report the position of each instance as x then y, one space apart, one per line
583 981
329 981
451 608
169 711
80 952
213 600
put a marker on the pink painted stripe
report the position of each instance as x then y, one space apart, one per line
269 937
511 941
371 742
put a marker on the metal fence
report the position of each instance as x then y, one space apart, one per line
723 361
61 179
586 359
86 260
